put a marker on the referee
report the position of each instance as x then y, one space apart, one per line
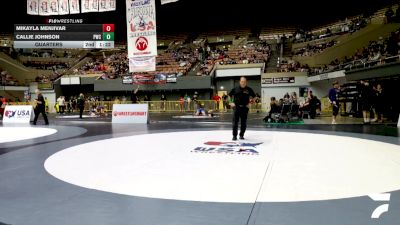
40 108
239 101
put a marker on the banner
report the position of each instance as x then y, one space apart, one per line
141 28
149 79
266 80
130 113
107 5
127 79
32 7
63 7
142 64
53 7
44 8
18 114
112 5
74 7
171 78
167 1
283 80
89 6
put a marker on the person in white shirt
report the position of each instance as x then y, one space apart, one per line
61 104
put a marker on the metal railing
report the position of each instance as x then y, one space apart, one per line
358 64
168 106
154 106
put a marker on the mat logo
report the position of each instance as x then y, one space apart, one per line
215 147
17 113
383 197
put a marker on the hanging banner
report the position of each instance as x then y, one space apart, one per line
53 7
44 8
74 7
141 28
149 79
32 7
63 7
142 64
103 6
107 5
167 1
90 6
112 5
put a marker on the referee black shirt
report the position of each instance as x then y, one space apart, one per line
241 96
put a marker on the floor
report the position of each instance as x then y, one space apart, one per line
181 170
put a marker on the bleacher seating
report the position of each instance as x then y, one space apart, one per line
7 79
236 32
271 33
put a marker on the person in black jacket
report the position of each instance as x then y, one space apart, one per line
81 104
240 100
366 100
134 97
40 108
379 103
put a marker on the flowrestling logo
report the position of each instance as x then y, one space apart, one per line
17 114
237 148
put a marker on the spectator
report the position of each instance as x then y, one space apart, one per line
195 100
225 101
134 97
81 104
366 96
333 99
46 103
163 102
2 106
389 15
311 105
257 101
379 103
181 103
217 100
293 98
187 102
275 107
61 104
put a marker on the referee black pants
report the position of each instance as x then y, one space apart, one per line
40 111
80 112
239 112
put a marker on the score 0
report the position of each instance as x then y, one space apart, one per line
108 32
108 27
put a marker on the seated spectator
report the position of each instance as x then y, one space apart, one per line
275 107
311 105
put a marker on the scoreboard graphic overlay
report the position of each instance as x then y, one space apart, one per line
91 36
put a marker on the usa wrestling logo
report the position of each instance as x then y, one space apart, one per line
10 113
237 148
